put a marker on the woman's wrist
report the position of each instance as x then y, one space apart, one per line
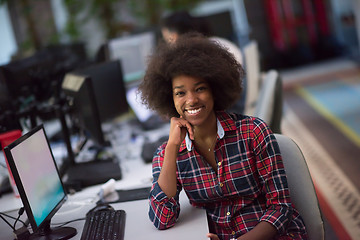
172 147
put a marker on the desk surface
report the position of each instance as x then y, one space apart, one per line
192 223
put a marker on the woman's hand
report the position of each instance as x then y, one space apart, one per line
178 129
167 178
213 236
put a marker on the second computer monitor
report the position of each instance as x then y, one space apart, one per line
109 88
84 110
133 51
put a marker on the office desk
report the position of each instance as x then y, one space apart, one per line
192 223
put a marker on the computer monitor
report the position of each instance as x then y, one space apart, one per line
84 110
109 88
38 181
40 75
20 77
148 119
9 120
133 50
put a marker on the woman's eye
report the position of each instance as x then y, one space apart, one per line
200 89
179 93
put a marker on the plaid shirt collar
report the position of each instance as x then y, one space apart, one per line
224 123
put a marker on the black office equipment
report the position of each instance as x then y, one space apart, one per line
24 77
39 76
125 195
149 148
104 224
109 88
8 117
84 111
133 194
5 186
85 115
40 187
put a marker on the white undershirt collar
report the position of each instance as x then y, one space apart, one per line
220 134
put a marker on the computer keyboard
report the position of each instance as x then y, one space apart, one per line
105 224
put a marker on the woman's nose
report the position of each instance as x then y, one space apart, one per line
192 98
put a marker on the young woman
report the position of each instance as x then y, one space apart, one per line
228 164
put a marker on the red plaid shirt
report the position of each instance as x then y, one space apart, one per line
249 186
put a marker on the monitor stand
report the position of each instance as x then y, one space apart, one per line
47 233
76 175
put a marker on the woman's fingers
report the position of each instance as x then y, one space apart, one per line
212 236
178 128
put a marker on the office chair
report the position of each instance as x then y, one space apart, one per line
302 191
252 69
270 101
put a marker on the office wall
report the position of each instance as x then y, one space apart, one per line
8 45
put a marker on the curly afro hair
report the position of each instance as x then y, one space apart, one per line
196 56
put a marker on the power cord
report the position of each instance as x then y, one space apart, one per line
21 211
6 221
8 216
66 223
22 233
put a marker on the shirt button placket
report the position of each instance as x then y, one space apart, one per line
220 184
233 235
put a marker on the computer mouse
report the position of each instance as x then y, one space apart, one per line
102 207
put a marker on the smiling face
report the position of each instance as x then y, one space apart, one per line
193 99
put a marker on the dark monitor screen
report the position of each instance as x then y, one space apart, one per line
37 178
80 94
220 25
8 117
20 76
40 75
109 88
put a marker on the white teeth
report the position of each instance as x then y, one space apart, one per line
194 111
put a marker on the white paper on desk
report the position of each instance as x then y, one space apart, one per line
134 100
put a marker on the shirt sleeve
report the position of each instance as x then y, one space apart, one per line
273 178
163 211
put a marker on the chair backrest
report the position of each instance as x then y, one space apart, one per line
302 191
252 69
269 104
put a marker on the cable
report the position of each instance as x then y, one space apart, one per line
7 222
6 215
65 223
21 233
20 212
